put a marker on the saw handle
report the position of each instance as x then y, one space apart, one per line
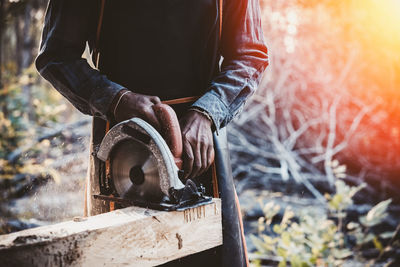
170 131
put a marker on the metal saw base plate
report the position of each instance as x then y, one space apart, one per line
163 206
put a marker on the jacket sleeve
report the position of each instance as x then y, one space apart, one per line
69 24
245 57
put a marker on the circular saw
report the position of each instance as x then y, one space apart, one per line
144 167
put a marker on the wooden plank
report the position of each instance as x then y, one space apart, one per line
132 236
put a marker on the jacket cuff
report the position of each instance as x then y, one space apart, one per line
102 97
213 105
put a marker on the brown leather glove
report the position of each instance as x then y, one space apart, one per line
198 144
126 105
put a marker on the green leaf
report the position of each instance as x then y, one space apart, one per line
342 253
379 209
368 238
277 229
377 244
261 246
287 216
282 263
336 201
313 259
376 214
387 235
352 225
295 261
286 238
282 252
256 263
270 210
354 190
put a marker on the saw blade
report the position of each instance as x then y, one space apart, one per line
142 165
134 172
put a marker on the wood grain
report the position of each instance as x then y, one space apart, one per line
132 236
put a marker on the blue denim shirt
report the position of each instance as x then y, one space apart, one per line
70 24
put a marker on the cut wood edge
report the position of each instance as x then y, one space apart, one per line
134 236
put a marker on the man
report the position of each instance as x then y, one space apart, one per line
153 50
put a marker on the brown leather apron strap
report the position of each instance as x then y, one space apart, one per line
98 32
214 180
182 100
96 57
241 228
220 8
108 170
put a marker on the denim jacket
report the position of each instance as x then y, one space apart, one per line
70 24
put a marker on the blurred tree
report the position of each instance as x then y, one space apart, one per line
331 92
20 25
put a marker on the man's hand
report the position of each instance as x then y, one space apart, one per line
135 105
198 146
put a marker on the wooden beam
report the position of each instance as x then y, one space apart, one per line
132 236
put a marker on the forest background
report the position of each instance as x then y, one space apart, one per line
321 135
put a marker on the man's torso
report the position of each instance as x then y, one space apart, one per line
167 48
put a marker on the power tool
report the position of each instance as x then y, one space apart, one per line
143 167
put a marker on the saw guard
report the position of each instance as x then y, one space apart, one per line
138 130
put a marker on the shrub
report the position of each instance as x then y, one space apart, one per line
308 239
